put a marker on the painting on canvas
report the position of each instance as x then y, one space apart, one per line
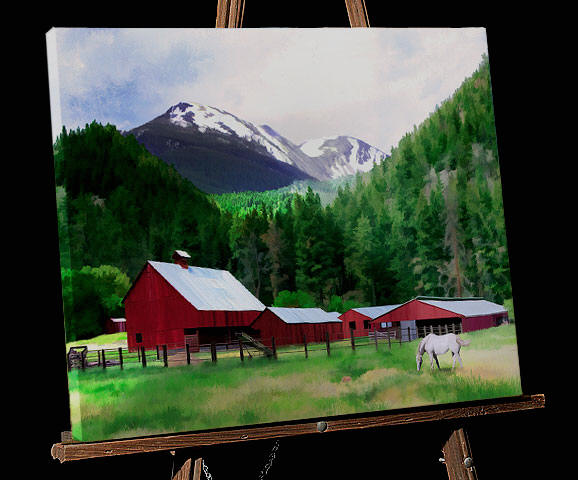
268 225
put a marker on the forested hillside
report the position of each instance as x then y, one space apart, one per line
123 206
427 221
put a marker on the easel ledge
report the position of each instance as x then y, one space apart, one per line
68 451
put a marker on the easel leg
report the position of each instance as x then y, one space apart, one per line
185 472
458 457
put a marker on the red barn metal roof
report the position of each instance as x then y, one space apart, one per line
374 312
207 288
467 308
304 315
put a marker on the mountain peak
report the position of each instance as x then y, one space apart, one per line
343 154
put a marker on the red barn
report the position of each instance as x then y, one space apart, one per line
359 319
467 314
289 325
173 304
115 325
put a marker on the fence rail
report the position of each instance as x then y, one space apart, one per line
184 354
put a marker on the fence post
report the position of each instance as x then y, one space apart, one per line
409 334
83 358
138 353
103 359
68 361
274 347
98 357
120 358
165 356
453 327
446 328
158 355
188 348
400 334
213 352
389 338
375 338
305 345
241 355
143 357
327 344
352 339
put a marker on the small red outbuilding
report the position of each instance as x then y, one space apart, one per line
173 304
115 325
290 325
467 314
359 319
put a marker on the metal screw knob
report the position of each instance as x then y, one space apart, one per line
321 426
468 462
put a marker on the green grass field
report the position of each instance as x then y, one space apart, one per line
136 401
110 340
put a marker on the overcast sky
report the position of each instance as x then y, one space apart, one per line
373 84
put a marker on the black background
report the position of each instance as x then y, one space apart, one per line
505 446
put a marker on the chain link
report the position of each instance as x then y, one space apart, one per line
263 473
270 461
206 471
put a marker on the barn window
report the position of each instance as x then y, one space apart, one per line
366 324
190 331
138 337
352 325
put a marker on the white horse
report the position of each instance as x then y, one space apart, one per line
436 345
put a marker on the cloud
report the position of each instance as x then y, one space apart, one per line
374 84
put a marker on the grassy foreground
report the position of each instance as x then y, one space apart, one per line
114 404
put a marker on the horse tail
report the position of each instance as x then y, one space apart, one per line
461 342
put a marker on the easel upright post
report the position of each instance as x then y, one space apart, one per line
458 457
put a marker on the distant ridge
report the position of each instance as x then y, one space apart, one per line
220 152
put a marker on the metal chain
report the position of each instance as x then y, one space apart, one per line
206 471
270 461
263 473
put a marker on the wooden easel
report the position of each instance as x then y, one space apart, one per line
457 454
186 473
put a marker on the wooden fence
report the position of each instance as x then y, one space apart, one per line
182 354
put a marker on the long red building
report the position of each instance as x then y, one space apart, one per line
289 326
467 314
173 304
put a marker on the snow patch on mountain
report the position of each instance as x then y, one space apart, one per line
313 148
343 155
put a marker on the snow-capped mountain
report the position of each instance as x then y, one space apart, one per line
220 152
342 155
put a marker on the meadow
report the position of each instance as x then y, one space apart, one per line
138 401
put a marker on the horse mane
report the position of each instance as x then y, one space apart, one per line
421 346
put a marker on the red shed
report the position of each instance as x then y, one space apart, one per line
173 304
359 319
467 314
289 325
115 325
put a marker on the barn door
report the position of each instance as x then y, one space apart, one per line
192 339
